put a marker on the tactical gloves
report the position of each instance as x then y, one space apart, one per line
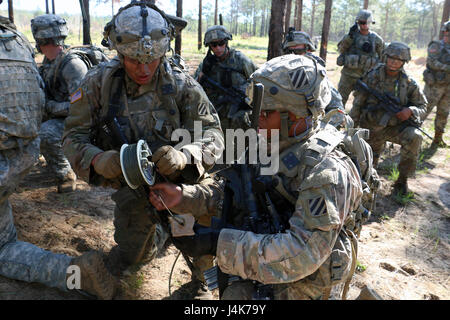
169 160
353 29
107 164
203 243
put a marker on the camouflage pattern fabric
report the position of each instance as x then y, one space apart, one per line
437 83
357 58
146 113
367 115
298 262
19 149
62 77
234 71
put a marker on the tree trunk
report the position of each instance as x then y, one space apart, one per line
276 29
178 37
84 4
325 29
287 22
298 14
366 4
10 11
216 10
46 7
199 24
53 7
445 16
313 13
386 19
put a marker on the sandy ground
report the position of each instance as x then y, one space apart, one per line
403 249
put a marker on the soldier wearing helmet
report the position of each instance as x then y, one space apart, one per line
23 100
360 50
62 71
141 94
230 69
317 193
437 83
299 42
390 78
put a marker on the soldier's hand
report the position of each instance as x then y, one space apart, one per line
403 115
353 29
203 243
107 164
169 160
170 193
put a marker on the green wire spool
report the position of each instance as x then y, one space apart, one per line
136 167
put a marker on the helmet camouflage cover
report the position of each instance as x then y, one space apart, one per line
446 27
298 37
49 26
216 33
365 15
294 83
140 31
398 50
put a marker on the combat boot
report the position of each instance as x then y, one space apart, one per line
401 186
95 278
68 183
438 142
199 290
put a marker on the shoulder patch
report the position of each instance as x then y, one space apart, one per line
317 206
203 109
76 96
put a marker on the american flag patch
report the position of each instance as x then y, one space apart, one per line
299 78
203 109
77 95
317 206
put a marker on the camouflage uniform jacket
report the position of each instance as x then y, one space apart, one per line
358 59
171 100
62 76
234 71
402 87
438 63
316 247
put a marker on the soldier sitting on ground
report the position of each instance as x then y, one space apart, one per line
390 79
230 69
62 71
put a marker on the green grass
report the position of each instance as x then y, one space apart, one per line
394 173
404 199
360 267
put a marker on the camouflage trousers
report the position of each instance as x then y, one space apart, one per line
51 148
22 260
439 96
409 138
346 86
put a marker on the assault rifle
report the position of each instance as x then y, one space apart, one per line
236 97
390 105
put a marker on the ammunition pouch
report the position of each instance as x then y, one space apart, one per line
340 60
354 61
428 77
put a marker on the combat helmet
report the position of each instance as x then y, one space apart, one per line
140 31
293 83
398 50
365 15
49 28
216 33
446 27
298 37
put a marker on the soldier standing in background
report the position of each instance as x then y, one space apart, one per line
230 69
62 71
23 101
437 83
360 50
390 78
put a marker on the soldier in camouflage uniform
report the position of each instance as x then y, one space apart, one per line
23 101
229 68
62 73
360 50
299 42
437 83
390 78
321 185
149 97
